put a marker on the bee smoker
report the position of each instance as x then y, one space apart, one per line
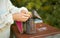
30 24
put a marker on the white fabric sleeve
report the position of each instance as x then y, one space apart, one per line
14 9
6 18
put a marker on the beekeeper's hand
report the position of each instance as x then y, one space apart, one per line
23 16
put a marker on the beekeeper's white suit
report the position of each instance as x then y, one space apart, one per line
6 11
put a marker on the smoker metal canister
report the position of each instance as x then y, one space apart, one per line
30 26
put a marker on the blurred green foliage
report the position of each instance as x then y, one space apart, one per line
49 10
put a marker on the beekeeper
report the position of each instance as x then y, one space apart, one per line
9 14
